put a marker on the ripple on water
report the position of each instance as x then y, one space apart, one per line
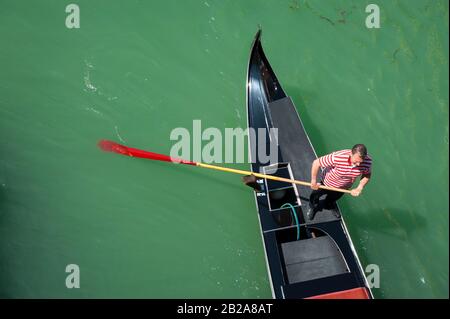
87 77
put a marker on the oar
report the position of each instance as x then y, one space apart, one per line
114 147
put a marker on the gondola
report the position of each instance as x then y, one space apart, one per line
305 258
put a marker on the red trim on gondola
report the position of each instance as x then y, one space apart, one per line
356 293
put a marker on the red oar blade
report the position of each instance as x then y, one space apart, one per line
109 146
114 147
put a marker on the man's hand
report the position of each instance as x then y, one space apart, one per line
356 191
314 185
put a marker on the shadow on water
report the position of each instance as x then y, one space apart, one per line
393 222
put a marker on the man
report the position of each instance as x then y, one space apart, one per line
341 169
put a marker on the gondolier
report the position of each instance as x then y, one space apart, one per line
340 170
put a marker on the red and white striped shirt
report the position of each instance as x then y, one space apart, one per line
340 172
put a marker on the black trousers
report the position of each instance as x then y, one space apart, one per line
330 199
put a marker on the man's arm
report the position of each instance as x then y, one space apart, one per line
314 171
324 161
365 178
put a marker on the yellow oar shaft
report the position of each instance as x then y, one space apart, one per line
275 178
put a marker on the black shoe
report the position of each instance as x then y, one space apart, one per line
311 212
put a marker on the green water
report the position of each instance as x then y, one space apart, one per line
135 70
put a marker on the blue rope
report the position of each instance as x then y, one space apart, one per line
295 216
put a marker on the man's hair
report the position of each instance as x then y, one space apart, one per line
361 149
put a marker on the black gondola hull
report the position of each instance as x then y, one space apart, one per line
304 258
